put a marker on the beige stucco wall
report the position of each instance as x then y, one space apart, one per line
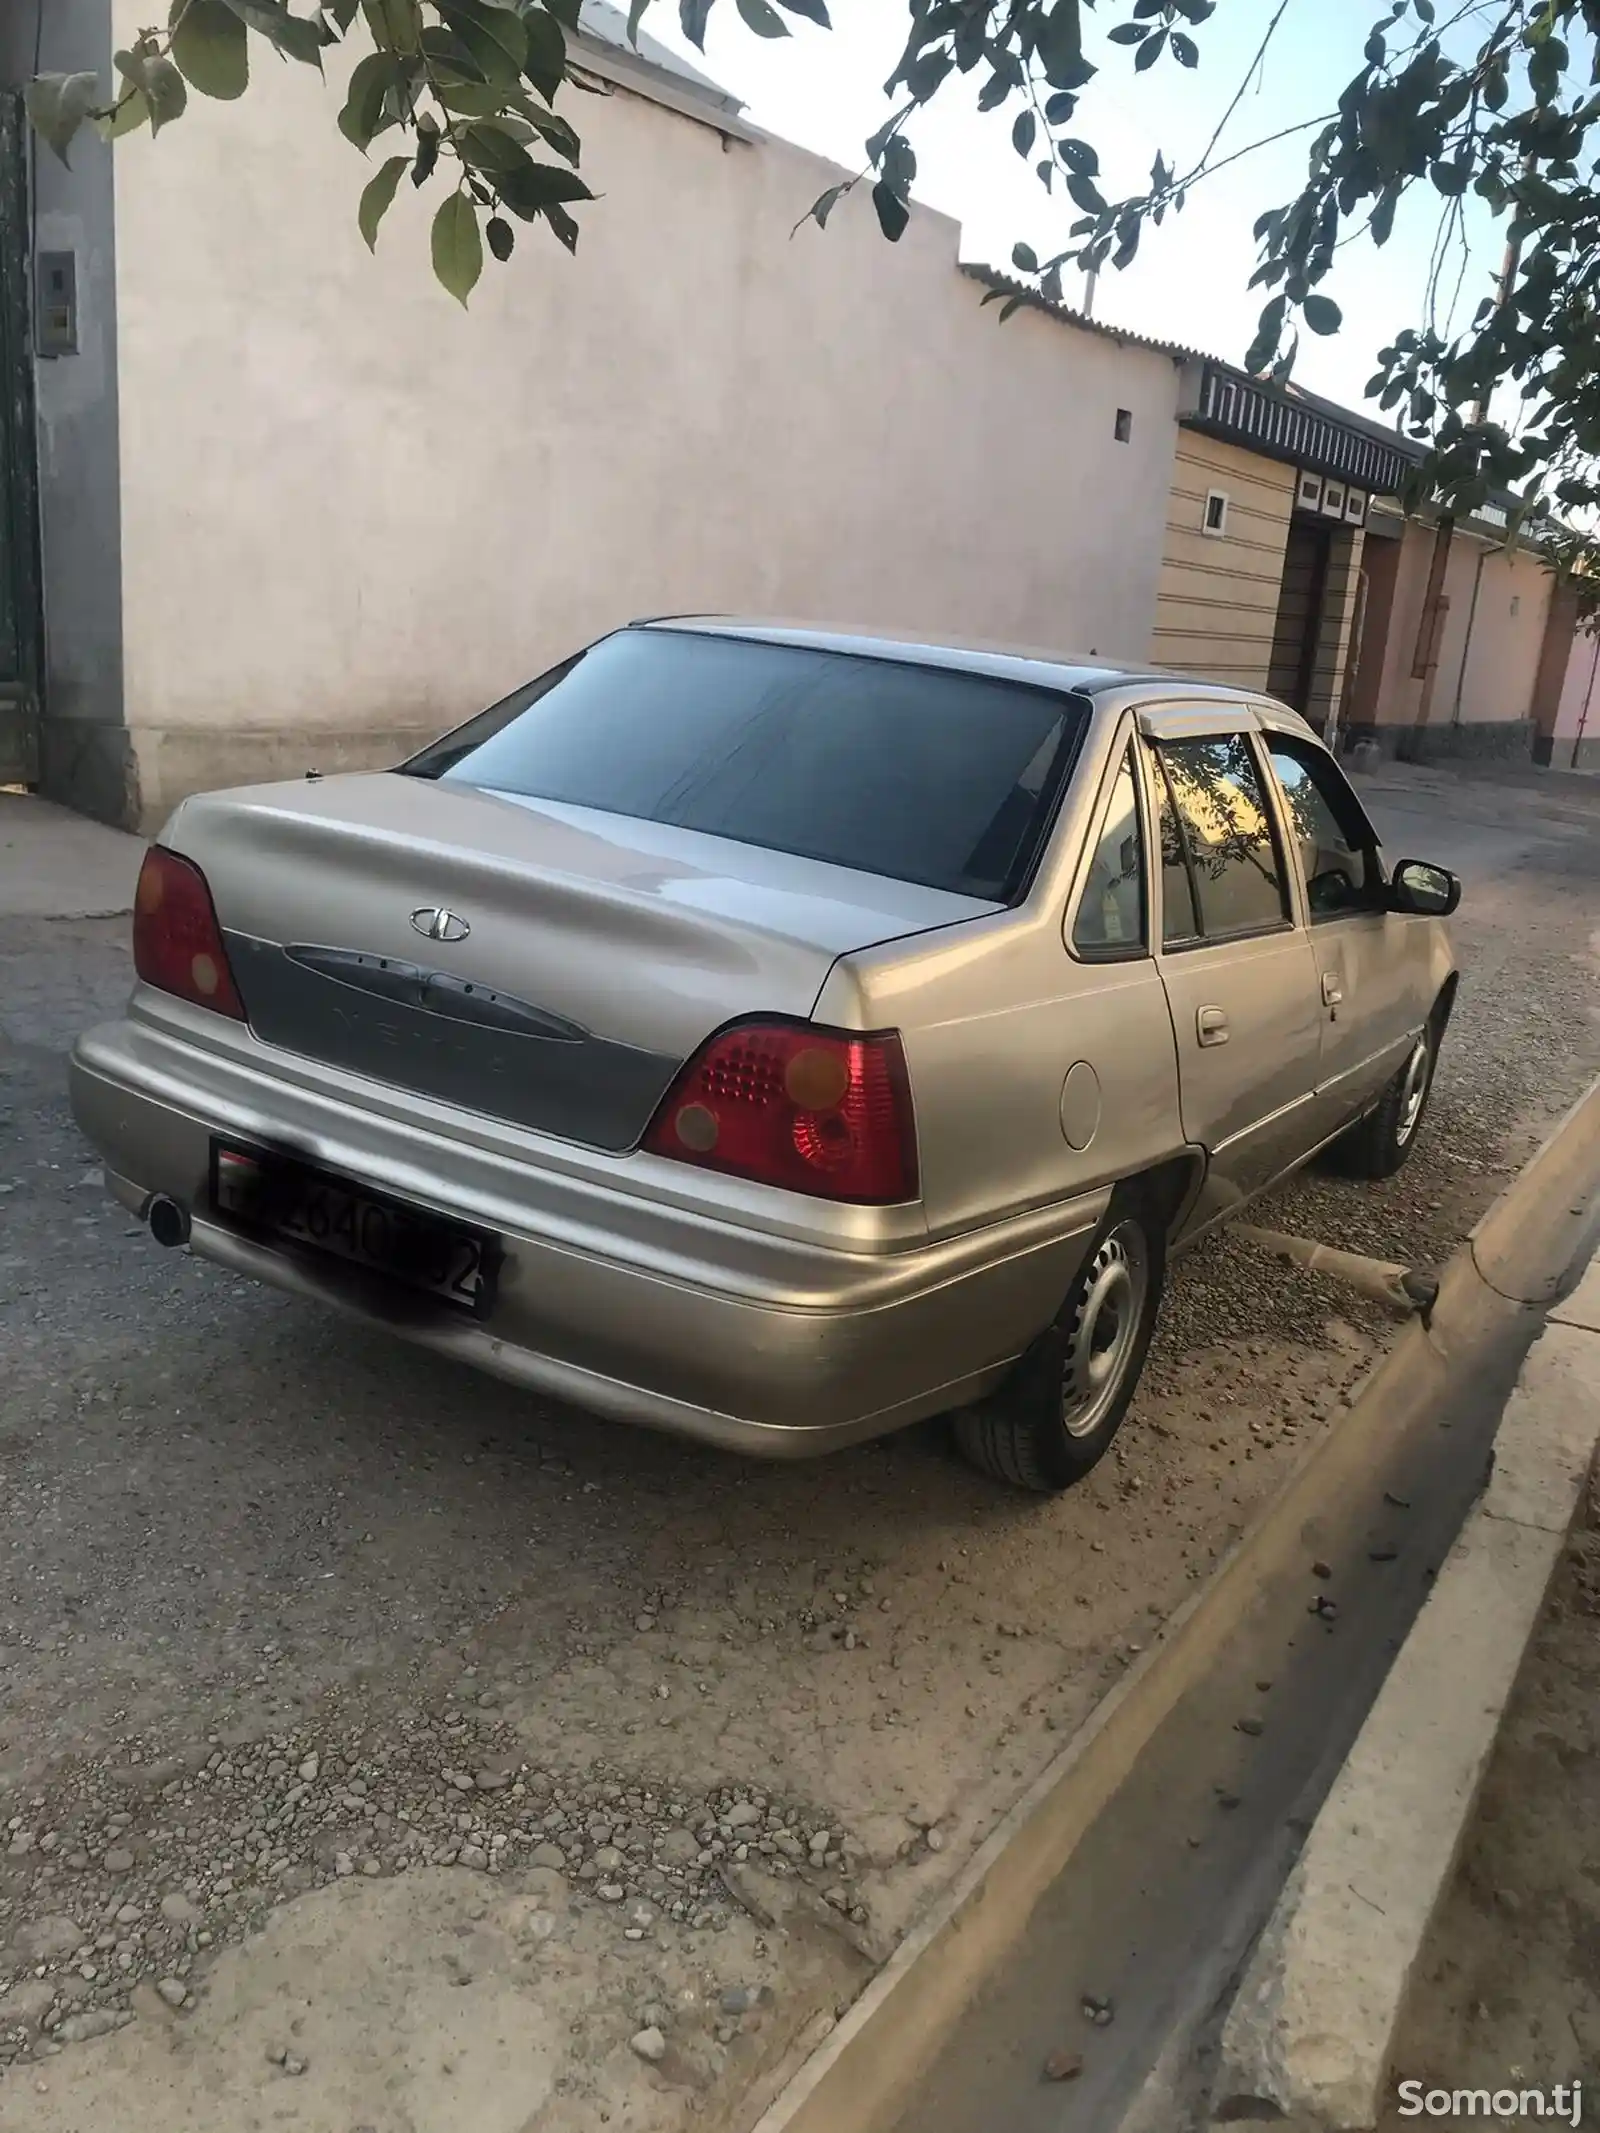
1492 680
353 513
1580 702
1218 594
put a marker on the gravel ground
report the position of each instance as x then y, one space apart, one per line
239 1538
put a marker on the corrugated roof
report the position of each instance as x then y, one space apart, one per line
993 278
606 25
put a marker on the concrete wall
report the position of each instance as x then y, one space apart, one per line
1576 741
1483 687
83 747
1218 595
354 513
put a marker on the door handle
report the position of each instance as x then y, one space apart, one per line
1332 990
1211 1025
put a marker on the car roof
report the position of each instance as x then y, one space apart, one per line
1086 676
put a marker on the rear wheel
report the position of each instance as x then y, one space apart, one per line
1377 1145
1056 1415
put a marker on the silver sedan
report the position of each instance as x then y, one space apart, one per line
774 1036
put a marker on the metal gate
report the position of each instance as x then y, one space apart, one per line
20 612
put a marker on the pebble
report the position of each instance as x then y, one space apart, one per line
309 1768
118 1861
173 1990
1063 2066
737 2000
552 1855
1252 1726
648 2044
934 1839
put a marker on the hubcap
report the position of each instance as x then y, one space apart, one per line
1105 1329
1412 1091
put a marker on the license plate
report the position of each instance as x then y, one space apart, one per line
292 1202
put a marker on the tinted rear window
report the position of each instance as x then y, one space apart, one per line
915 772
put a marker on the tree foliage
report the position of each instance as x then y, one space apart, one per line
1499 102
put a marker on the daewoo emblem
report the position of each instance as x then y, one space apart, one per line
438 925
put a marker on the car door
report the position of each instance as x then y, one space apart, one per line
1235 959
1373 975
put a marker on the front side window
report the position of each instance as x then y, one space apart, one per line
1329 827
917 772
1110 921
1225 822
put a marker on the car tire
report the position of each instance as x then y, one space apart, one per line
1054 1417
1379 1144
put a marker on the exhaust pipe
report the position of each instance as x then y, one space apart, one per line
168 1220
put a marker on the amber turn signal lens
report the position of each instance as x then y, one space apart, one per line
815 1080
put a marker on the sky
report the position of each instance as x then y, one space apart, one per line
823 89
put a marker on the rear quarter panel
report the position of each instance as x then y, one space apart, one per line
996 1012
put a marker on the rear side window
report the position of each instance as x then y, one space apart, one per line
1110 922
1235 874
919 773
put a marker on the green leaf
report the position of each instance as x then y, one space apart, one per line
813 11
211 48
1060 47
533 187
765 20
825 203
563 225
1025 259
1149 52
546 63
371 82
1022 133
426 160
1059 108
495 37
502 237
566 12
1184 50
396 25
635 17
293 35
692 16
341 13
378 197
131 112
893 213
165 91
1079 156
1085 193
1322 314
58 104
1129 33
457 247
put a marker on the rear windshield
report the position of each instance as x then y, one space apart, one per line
916 772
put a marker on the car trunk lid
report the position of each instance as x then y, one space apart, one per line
550 965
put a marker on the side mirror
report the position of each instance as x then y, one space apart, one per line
1422 890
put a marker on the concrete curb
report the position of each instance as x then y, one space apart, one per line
862 2074
1308 2038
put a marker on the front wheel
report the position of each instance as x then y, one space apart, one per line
1377 1145
1056 1414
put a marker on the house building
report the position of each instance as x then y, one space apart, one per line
298 508
270 503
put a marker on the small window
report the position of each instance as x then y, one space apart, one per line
1216 518
1337 844
1111 920
1235 875
1122 428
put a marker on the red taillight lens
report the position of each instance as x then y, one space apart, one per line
177 943
818 1111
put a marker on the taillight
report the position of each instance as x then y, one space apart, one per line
177 943
818 1111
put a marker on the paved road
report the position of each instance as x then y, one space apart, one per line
226 1517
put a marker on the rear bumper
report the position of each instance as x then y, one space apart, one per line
635 1309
